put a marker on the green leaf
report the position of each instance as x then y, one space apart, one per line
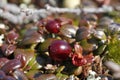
61 76
60 69
31 74
100 49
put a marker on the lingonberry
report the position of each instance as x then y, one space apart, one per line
53 26
59 50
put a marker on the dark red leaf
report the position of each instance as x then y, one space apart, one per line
11 65
89 58
32 37
2 75
9 78
3 61
8 49
78 61
22 58
78 49
12 36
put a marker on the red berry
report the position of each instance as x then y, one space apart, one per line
59 50
53 26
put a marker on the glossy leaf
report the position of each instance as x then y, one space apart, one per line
36 66
100 49
68 31
28 58
104 22
9 78
99 34
33 65
27 52
19 75
22 58
82 33
78 49
59 69
2 75
32 74
32 37
8 49
11 65
61 76
3 61
47 77
87 47
114 27
44 46
12 36
78 70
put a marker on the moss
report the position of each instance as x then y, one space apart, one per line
116 16
114 50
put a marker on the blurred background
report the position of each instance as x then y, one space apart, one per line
63 3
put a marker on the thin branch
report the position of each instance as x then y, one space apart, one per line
16 15
10 8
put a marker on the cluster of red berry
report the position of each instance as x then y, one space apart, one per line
60 50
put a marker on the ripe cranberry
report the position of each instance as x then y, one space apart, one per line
59 50
53 26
